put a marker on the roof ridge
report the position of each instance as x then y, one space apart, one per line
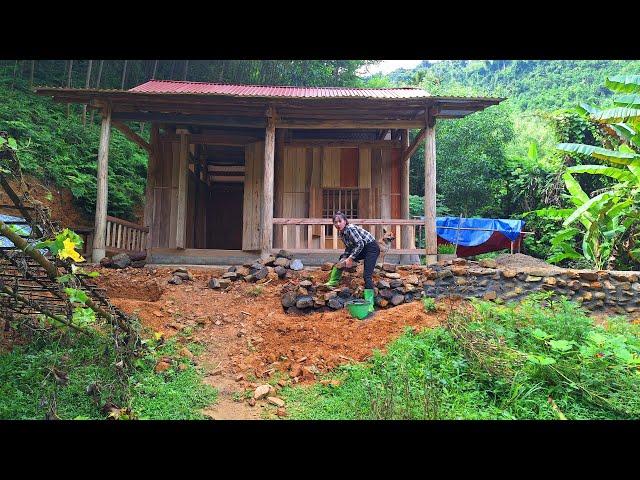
277 86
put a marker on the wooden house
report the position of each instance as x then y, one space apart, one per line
236 170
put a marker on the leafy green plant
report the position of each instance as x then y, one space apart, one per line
446 248
608 221
429 304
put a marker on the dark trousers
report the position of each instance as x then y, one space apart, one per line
369 254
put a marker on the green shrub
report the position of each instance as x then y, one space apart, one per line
429 304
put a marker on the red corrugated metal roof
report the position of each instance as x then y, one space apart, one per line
201 88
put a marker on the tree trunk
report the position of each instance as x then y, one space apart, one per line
86 85
33 68
69 82
15 71
155 69
186 69
124 75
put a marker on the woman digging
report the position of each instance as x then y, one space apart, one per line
360 245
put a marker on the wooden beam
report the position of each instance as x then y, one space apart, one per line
181 119
348 124
278 187
102 193
131 135
226 168
413 147
431 244
227 179
183 183
267 211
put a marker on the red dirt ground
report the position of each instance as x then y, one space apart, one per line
248 338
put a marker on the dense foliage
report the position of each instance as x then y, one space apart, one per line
525 361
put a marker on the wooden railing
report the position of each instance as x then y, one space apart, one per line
124 236
318 235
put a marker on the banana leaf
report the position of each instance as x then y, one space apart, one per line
598 152
630 100
574 188
623 83
584 207
616 115
613 172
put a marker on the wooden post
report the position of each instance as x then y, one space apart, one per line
102 193
267 207
407 230
431 244
278 169
183 172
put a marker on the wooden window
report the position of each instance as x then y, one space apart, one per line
345 200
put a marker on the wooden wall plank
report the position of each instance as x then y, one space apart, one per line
395 183
173 212
349 160
252 208
364 170
331 168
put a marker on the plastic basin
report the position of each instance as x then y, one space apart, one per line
358 308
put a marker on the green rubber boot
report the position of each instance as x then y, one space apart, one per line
368 295
334 277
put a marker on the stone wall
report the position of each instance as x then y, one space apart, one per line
603 291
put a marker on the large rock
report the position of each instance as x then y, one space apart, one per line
138 263
392 275
284 254
280 271
306 284
175 280
397 299
106 262
296 265
389 267
233 276
289 299
383 284
261 392
214 283
183 275
268 262
488 263
413 280
304 302
260 274
345 292
387 294
396 283
282 262
336 303
137 256
121 260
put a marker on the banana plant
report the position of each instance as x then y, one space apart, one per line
612 216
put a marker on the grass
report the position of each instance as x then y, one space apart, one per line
536 360
29 389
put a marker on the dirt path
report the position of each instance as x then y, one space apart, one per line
248 340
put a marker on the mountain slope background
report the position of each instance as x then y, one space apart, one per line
485 161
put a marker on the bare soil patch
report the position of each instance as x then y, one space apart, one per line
248 339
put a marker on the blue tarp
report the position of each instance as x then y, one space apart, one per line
470 238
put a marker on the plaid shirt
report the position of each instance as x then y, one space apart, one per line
354 238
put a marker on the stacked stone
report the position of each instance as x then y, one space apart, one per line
617 291
124 260
260 271
391 290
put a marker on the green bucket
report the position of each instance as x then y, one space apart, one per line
358 308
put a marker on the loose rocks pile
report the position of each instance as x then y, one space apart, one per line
260 271
392 289
124 260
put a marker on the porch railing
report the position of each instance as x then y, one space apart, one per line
319 235
124 236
